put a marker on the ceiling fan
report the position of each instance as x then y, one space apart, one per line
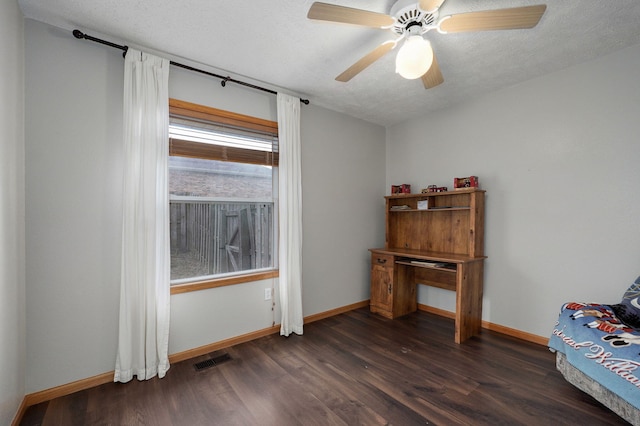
409 20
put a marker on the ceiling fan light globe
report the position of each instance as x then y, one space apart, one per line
414 58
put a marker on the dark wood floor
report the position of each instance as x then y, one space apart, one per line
354 368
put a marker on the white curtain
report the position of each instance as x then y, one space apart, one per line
144 289
290 212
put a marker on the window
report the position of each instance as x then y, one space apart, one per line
222 184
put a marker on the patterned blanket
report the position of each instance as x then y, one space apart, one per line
597 342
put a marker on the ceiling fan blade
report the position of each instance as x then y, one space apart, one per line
433 76
430 5
366 60
348 15
501 19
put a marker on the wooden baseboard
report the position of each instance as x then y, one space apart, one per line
337 311
522 335
203 350
67 389
436 311
216 346
100 379
533 338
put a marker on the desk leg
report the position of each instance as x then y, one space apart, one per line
405 295
469 283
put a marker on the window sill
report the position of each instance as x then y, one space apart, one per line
221 282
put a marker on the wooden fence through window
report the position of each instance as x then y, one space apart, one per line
210 238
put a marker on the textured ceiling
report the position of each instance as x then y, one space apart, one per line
273 42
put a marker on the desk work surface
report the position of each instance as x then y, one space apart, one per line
426 255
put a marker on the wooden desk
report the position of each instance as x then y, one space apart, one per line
394 278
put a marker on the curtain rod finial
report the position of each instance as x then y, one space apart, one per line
78 34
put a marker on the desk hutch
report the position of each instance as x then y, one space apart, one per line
435 239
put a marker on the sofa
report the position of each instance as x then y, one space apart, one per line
597 350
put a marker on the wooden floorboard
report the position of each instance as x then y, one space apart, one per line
354 368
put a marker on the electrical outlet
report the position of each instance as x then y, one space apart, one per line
267 293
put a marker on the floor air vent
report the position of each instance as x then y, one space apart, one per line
211 362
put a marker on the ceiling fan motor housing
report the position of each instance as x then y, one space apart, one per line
410 19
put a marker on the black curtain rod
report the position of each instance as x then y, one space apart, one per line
79 34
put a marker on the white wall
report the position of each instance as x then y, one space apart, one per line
12 256
73 186
73 142
558 157
343 208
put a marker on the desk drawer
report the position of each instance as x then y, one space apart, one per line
384 260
